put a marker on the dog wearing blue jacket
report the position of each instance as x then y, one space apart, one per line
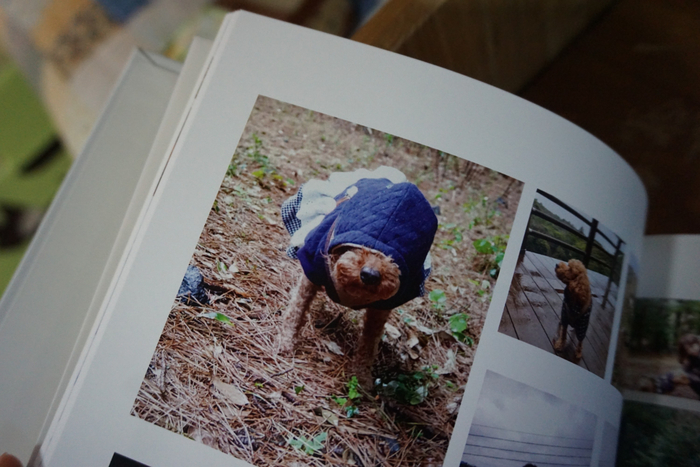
365 238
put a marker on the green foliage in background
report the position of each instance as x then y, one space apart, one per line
653 436
28 182
538 245
655 325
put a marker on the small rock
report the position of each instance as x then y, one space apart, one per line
192 288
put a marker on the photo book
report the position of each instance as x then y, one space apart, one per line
326 254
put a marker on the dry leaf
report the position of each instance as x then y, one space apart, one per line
203 437
215 349
412 340
391 331
330 417
333 347
450 364
231 392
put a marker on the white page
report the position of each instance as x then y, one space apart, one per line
44 311
669 268
401 97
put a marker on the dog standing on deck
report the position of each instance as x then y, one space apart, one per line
365 238
577 305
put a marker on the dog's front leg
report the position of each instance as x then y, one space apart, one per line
295 314
579 350
367 349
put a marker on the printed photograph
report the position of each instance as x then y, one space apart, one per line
655 435
563 294
659 348
516 425
334 302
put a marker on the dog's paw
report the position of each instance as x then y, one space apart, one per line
558 345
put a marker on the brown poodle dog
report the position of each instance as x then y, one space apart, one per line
360 276
577 305
368 247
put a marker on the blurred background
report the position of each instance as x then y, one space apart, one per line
625 70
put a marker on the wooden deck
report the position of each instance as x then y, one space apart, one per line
491 446
534 305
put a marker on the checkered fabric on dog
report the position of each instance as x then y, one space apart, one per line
290 219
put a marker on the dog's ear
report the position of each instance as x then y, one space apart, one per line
577 268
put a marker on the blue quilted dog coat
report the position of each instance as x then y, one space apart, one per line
393 218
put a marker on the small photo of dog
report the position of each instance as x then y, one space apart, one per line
369 249
567 282
577 305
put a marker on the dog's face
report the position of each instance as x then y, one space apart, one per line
362 275
569 272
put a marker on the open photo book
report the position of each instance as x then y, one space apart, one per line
335 255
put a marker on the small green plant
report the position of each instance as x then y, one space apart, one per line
217 316
309 446
353 386
482 211
411 388
483 288
265 166
348 403
456 233
298 389
493 249
254 152
341 401
389 139
232 170
437 299
458 326
451 386
443 191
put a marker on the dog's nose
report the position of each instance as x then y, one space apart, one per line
370 276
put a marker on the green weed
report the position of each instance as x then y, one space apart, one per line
410 388
437 299
482 211
455 231
348 403
492 249
458 326
309 446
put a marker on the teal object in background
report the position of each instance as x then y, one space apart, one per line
33 164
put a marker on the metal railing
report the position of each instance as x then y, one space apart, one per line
611 259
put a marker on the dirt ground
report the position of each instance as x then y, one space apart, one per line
215 376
